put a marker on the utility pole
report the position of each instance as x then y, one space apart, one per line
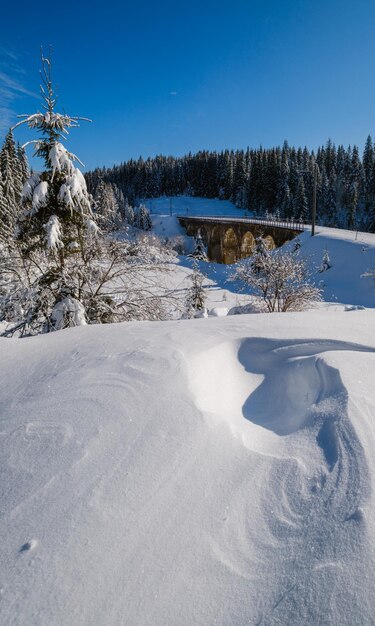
314 200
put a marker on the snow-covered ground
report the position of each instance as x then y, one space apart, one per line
189 205
196 472
351 255
213 471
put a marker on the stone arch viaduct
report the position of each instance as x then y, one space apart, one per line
230 239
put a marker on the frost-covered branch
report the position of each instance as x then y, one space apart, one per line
116 281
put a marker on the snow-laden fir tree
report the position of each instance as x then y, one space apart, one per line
326 262
352 205
301 205
4 226
23 164
199 251
260 251
13 169
368 162
330 205
240 181
285 201
56 224
142 218
120 199
261 248
61 271
196 295
107 214
57 215
129 215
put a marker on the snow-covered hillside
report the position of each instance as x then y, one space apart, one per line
351 255
191 205
197 472
213 471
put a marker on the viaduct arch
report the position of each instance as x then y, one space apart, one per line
230 239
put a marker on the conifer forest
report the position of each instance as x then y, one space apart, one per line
278 180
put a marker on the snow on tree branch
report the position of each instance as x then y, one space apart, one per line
54 233
280 278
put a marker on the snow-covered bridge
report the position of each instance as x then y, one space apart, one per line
229 239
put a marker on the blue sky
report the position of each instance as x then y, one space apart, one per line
173 77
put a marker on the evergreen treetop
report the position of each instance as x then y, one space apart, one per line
58 195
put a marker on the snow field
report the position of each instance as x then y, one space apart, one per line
214 471
211 471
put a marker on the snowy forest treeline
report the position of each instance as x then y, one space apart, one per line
278 180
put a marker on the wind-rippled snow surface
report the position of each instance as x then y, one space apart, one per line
204 472
314 518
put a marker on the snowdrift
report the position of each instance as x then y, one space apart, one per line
214 471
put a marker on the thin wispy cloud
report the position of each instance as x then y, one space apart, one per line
11 87
8 53
173 93
14 86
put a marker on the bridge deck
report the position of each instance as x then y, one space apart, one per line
289 224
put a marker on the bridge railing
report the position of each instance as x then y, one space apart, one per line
273 222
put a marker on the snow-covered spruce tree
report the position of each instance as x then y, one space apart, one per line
199 251
61 271
56 208
330 205
196 295
107 214
23 164
326 262
4 229
120 199
129 216
260 251
142 218
261 248
13 168
280 278
53 229
301 206
352 205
